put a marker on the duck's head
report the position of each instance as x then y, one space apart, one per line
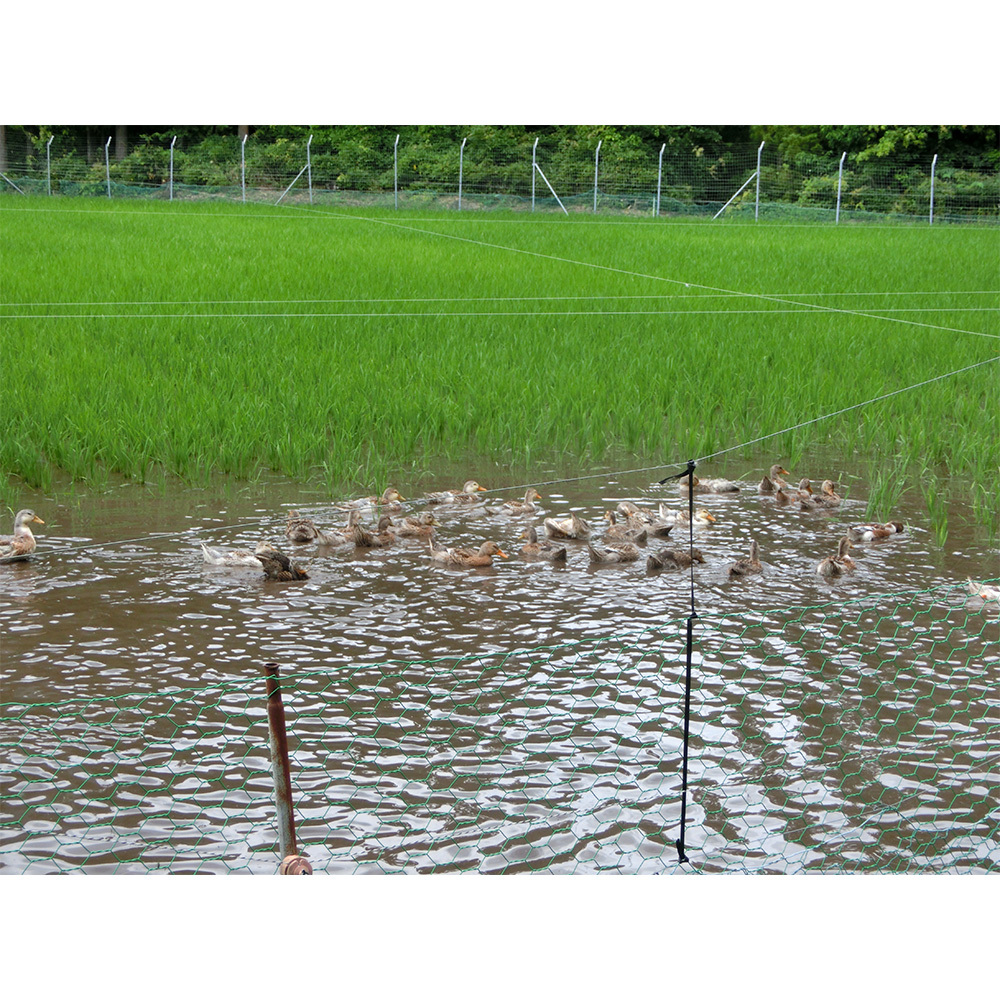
392 495
472 486
492 549
703 516
829 487
26 517
845 544
805 486
778 470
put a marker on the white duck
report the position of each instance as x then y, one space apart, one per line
20 545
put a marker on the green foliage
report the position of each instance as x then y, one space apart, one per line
491 351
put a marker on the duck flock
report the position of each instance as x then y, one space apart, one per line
627 532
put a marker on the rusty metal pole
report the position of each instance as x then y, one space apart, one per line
282 777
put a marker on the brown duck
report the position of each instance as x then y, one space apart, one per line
534 549
468 557
277 566
748 566
673 559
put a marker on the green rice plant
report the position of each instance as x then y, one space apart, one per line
347 347
888 485
935 497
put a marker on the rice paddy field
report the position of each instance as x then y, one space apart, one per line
186 374
351 349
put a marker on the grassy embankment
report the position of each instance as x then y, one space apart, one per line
433 347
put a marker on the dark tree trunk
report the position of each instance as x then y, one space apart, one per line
121 142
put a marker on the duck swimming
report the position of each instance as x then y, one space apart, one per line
20 545
416 526
390 499
692 483
834 566
745 567
983 590
702 517
228 557
773 480
303 529
277 566
569 527
468 557
874 532
525 506
533 548
626 552
616 532
673 559
467 494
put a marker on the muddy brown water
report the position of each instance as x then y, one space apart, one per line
528 716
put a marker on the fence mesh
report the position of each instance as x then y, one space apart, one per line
491 172
845 737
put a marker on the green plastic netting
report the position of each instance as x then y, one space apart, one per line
844 737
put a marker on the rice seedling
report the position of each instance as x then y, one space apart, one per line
346 348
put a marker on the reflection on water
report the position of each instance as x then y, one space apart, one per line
519 717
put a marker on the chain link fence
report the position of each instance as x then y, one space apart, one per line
486 171
859 736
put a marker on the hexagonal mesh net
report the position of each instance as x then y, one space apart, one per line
848 737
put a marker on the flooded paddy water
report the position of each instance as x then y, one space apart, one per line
525 716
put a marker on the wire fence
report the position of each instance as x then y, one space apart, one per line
842 737
488 172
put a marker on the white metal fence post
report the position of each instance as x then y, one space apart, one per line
659 178
756 209
395 171
107 164
840 182
534 164
48 163
461 156
243 168
309 169
933 165
597 157
172 141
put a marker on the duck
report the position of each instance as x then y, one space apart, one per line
828 495
692 483
745 567
533 548
20 545
702 517
228 557
874 532
673 559
616 532
525 506
483 556
277 566
569 527
834 566
773 480
983 590
467 494
416 526
389 499
380 538
633 512
625 552
842 557
303 529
